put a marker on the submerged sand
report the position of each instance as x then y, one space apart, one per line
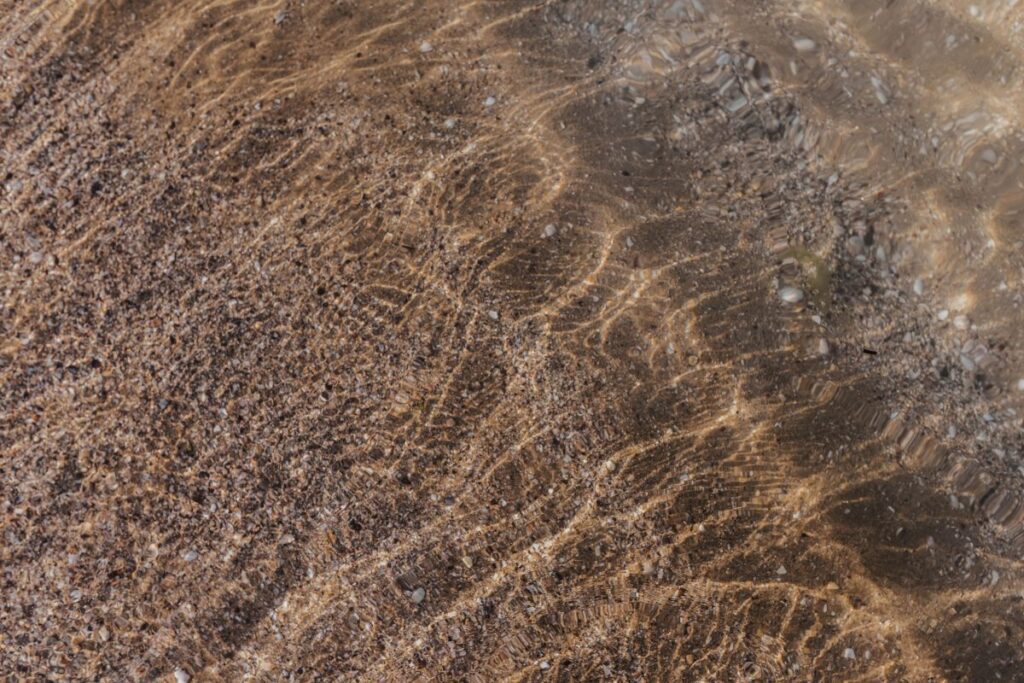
582 340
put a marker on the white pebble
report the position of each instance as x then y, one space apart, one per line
849 653
823 347
1020 384
426 47
490 102
550 230
181 676
449 123
781 571
191 556
919 286
791 295
418 595
943 314
493 314
804 44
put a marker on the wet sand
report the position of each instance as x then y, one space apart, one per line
619 340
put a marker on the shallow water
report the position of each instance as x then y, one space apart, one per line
607 340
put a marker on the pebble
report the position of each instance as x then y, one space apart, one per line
426 47
493 314
849 653
181 676
544 666
490 102
449 123
781 571
550 230
804 44
823 347
418 595
919 286
943 314
191 556
1020 384
961 322
791 295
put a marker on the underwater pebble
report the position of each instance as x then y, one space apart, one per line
804 44
791 295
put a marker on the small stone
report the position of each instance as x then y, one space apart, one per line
961 322
804 45
791 295
550 230
544 666
278 20
181 676
943 314
848 653
493 314
919 286
490 102
449 123
418 595
823 347
1020 384
191 556
781 571
426 47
